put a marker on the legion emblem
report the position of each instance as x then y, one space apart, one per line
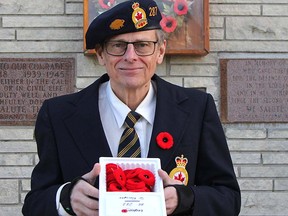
179 172
139 16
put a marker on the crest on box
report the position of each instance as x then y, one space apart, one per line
179 172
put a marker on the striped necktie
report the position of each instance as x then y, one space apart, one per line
129 145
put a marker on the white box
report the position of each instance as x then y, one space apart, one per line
131 203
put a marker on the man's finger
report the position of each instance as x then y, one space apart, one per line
165 177
92 175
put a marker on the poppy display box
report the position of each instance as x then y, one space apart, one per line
127 203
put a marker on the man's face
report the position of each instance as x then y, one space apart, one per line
131 71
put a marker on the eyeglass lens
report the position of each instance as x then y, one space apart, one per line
142 48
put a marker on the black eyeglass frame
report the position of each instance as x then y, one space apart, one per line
135 42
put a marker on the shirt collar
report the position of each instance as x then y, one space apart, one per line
120 110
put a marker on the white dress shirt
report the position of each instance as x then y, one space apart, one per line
113 113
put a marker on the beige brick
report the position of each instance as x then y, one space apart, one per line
216 22
50 34
84 82
258 145
249 46
74 8
175 80
31 7
22 197
16 159
211 58
194 70
210 83
234 9
245 133
88 66
42 46
265 203
7 34
9 190
162 68
256 28
25 184
217 34
15 133
275 158
246 158
255 184
275 10
281 184
11 210
15 172
279 133
264 172
17 146
43 21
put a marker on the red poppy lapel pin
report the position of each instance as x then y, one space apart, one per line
164 140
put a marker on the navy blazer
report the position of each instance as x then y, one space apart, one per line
70 139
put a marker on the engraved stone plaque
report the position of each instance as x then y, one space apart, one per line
254 90
26 82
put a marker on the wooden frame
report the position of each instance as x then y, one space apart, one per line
190 37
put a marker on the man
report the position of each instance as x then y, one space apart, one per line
176 125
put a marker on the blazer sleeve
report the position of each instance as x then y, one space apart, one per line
46 176
216 189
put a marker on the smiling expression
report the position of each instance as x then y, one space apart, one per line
131 71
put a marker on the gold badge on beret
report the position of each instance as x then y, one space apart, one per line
138 16
179 172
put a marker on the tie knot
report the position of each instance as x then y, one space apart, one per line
132 118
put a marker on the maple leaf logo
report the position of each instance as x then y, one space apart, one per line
179 177
139 16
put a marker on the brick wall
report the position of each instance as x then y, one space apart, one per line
238 29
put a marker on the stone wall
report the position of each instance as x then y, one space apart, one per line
238 29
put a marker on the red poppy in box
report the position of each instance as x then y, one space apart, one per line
134 180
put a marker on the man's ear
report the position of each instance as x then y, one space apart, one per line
100 57
161 53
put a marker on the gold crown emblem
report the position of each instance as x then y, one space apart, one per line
135 5
181 161
138 16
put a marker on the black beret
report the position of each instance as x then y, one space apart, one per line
125 17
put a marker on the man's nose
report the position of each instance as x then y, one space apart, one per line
130 51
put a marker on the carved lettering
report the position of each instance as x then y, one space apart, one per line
25 83
255 90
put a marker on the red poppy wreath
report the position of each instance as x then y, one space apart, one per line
165 140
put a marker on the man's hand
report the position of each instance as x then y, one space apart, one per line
170 193
84 196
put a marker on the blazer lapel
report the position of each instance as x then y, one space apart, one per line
85 126
169 117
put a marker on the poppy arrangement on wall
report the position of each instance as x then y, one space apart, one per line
186 23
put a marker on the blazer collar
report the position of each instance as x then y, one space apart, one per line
169 117
85 127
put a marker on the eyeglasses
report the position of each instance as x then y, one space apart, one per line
142 48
